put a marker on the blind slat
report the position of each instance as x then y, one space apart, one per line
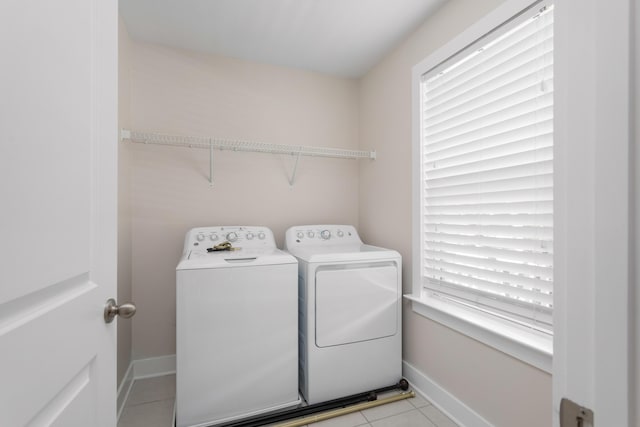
532 208
501 115
512 172
544 273
493 101
527 145
456 279
487 130
539 129
543 259
522 244
434 171
519 195
506 184
541 220
513 231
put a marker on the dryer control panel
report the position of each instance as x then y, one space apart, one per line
248 237
315 235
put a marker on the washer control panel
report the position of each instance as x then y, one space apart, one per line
312 235
238 236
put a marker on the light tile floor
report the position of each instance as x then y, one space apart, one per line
151 400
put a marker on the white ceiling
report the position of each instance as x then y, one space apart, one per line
340 37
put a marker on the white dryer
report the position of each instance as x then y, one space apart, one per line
350 337
236 327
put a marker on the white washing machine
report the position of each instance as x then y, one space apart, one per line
350 337
236 331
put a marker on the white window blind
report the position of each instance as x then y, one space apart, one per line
487 171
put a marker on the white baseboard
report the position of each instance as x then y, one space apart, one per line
453 407
143 368
124 389
154 366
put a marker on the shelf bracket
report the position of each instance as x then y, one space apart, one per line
125 134
210 163
295 169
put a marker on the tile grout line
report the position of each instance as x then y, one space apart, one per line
148 402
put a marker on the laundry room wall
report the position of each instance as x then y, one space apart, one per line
636 219
499 388
186 93
124 201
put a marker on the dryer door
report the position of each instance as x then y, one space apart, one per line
356 303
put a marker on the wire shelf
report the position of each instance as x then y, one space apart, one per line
245 146
248 146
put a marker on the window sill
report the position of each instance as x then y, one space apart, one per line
530 347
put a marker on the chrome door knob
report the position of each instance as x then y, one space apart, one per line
111 310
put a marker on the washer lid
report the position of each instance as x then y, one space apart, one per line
200 258
337 253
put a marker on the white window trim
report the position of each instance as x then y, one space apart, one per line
529 347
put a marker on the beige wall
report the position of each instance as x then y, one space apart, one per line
501 389
636 220
181 92
124 204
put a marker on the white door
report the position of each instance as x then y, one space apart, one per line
58 142
594 355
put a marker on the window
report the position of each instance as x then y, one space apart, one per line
483 202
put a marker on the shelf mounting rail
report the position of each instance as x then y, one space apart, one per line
247 146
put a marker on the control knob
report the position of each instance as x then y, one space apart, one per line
311 234
325 234
300 234
249 236
340 233
232 237
200 237
261 235
213 236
